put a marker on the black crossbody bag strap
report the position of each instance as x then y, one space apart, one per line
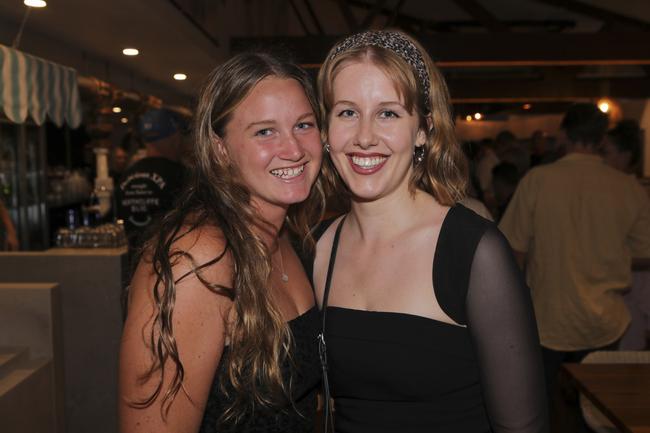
322 348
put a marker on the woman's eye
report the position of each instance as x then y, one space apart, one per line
264 132
388 114
346 113
305 125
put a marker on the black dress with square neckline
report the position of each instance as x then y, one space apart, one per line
397 372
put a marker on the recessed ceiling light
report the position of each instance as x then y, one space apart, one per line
35 3
468 118
117 109
130 51
180 77
478 116
124 120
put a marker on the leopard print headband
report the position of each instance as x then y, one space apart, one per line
393 41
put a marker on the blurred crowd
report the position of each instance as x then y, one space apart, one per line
497 164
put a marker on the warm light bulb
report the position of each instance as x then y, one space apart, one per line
468 118
527 106
35 3
603 106
477 116
124 120
117 109
130 51
180 77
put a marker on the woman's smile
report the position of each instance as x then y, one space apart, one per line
367 163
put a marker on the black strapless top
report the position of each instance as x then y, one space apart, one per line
397 372
305 375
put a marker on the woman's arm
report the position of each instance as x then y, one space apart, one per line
502 324
198 326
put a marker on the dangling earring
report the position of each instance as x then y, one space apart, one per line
418 155
327 147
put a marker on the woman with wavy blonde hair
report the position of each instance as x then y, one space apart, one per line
221 326
427 324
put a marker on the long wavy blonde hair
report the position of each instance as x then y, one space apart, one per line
259 338
443 170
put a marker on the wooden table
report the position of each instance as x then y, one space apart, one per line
620 391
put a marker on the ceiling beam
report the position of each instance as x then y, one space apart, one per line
395 13
468 90
417 25
197 25
348 16
396 18
314 18
598 13
474 9
494 49
299 16
370 17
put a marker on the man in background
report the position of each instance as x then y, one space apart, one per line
505 148
576 224
505 177
148 187
622 150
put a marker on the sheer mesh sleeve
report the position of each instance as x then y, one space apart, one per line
502 325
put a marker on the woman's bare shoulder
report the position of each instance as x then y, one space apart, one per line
202 248
197 262
188 300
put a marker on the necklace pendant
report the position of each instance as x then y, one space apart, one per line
285 277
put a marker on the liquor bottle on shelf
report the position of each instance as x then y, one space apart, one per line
72 218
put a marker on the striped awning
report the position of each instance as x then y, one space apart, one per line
30 85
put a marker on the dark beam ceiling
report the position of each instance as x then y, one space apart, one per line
348 15
478 90
314 17
419 25
370 17
481 14
493 49
298 15
607 17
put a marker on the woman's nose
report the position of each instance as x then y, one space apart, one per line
365 134
292 149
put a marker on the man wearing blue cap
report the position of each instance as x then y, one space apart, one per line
147 188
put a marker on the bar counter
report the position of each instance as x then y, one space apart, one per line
88 321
